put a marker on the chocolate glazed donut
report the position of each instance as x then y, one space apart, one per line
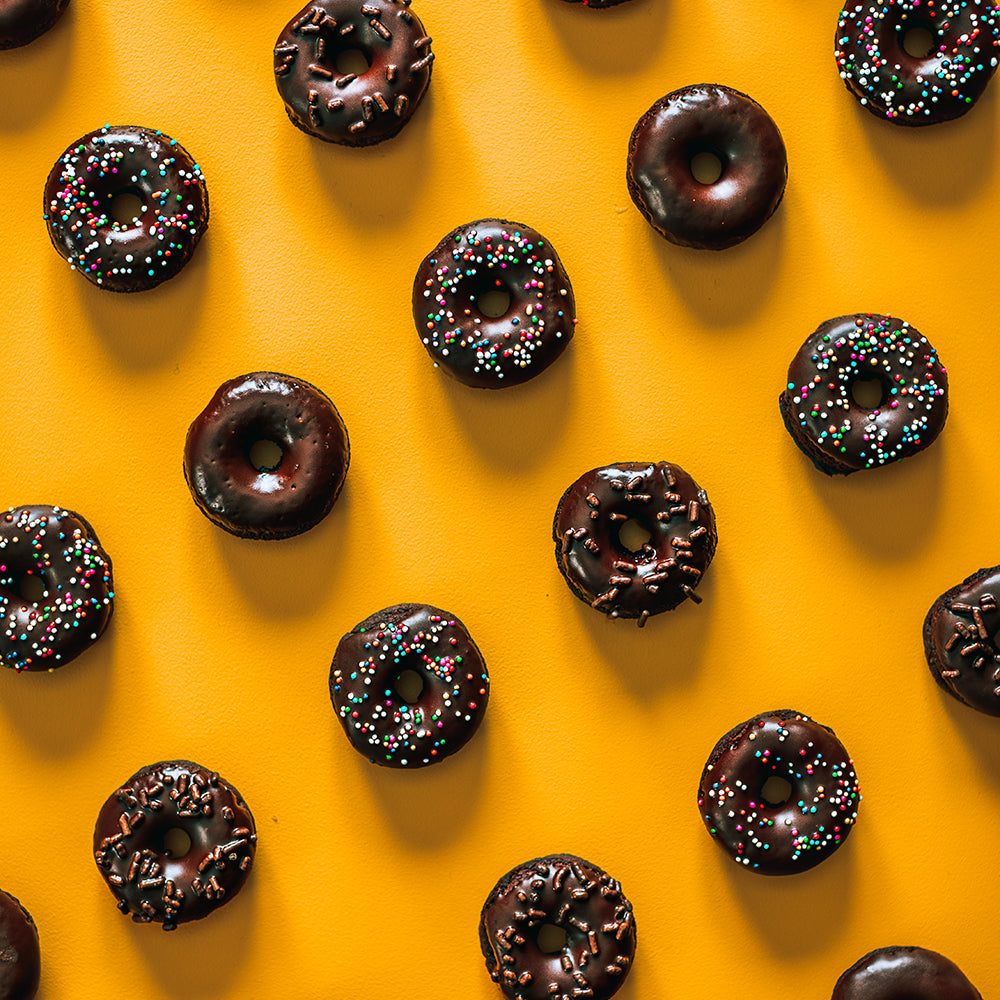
706 118
565 892
960 641
597 3
22 21
285 499
135 853
353 110
20 958
904 973
665 502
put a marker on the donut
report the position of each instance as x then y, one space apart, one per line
491 352
22 21
365 674
20 958
139 254
840 435
706 118
904 973
663 501
56 591
277 501
960 641
917 90
341 107
796 834
567 893
136 843
597 3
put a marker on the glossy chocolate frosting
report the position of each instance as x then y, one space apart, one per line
793 836
20 958
288 499
137 255
484 351
665 501
380 724
706 118
960 641
904 973
59 551
569 893
22 21
917 90
817 405
354 110
132 852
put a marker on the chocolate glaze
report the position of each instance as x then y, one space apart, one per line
600 570
60 549
917 90
568 892
901 973
817 406
126 159
20 958
130 851
348 109
795 835
368 662
274 503
706 118
22 21
493 352
960 641
597 3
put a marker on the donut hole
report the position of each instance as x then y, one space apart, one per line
126 209
409 686
776 791
175 842
869 393
265 455
352 62
918 41
494 302
707 166
633 537
551 939
31 588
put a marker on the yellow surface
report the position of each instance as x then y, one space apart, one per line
368 882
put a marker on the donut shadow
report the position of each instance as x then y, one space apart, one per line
725 287
889 512
57 714
290 577
430 806
47 58
610 41
978 730
200 958
144 330
937 165
800 914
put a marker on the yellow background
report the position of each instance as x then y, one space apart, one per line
368 882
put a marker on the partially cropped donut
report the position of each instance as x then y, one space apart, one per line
131 255
482 349
575 896
904 973
602 570
56 590
791 834
20 958
311 453
136 843
446 710
597 3
924 89
22 21
840 434
734 128
344 107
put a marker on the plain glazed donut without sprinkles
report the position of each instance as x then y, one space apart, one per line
904 973
797 833
347 108
918 90
22 21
